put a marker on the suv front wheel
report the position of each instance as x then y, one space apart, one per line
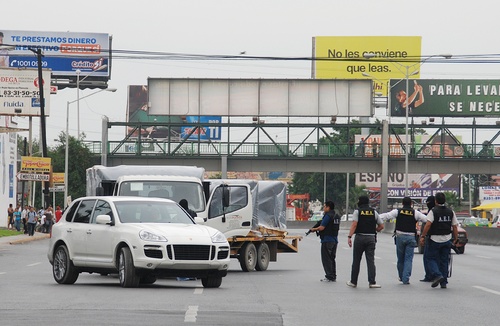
126 269
62 268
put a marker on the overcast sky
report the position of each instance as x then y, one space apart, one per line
281 28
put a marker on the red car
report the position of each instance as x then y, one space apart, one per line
459 248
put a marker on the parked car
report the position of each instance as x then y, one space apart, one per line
474 221
345 218
459 248
140 239
316 216
496 222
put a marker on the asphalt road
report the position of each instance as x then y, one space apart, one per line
288 293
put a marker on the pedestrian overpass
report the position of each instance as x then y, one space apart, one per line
306 147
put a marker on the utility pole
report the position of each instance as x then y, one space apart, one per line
39 55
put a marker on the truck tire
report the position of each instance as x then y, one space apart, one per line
248 257
263 257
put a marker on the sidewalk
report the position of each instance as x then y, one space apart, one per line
22 238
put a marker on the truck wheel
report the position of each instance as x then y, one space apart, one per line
211 281
262 257
248 257
126 269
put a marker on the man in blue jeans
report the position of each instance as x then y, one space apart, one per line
405 233
441 220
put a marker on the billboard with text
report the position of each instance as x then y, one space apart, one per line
343 57
445 98
63 52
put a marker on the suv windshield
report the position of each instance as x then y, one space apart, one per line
151 212
174 190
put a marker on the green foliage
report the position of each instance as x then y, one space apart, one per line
80 158
312 183
452 200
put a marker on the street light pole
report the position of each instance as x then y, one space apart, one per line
66 154
407 77
78 80
407 192
78 101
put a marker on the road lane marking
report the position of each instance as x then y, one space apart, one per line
1 273
198 291
376 257
485 257
191 313
486 289
34 264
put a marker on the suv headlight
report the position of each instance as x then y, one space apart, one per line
218 238
148 236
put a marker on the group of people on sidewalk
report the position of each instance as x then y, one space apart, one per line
33 220
440 226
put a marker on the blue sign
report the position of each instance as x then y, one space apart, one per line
67 65
204 132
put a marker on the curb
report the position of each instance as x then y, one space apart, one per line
28 239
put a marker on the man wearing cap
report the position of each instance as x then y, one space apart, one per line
440 222
366 223
406 218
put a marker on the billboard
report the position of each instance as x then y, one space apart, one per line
20 93
420 185
343 57
260 97
445 98
63 52
138 111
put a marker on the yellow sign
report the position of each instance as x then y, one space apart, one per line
35 164
58 178
345 57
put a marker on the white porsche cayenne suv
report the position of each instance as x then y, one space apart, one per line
141 239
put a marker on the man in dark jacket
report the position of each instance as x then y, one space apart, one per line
328 230
366 223
441 220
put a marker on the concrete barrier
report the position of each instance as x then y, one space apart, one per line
483 236
476 235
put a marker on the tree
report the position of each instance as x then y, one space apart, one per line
80 158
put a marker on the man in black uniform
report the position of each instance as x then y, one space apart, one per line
430 201
406 231
366 223
328 229
440 222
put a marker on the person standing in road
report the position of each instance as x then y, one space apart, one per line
366 223
430 201
328 230
32 220
440 222
406 232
